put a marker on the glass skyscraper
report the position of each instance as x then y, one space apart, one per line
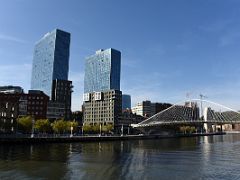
102 71
50 60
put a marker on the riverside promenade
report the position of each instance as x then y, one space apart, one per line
94 138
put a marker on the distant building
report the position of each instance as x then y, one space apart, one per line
195 108
102 71
148 109
11 89
51 66
143 109
158 107
102 107
126 101
191 104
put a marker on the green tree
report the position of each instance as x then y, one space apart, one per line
60 126
192 129
43 125
187 129
73 124
96 128
25 123
183 129
87 128
107 128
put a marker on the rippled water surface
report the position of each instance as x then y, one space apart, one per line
215 157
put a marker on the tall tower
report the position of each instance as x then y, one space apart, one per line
102 71
102 96
50 60
50 70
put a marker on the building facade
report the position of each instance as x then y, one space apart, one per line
62 93
102 107
126 101
37 102
55 110
17 105
102 71
9 111
102 95
50 60
50 69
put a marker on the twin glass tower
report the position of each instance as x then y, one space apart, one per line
50 60
102 71
102 75
50 72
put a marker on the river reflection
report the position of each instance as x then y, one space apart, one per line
213 157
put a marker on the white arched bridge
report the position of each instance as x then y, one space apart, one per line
193 112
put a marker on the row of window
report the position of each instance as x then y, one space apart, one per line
35 97
4 114
4 121
37 102
89 119
33 108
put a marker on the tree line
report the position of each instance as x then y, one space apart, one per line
26 123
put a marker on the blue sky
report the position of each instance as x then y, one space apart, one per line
169 47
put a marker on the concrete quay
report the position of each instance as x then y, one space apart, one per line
65 139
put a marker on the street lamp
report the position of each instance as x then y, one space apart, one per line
33 122
100 129
122 130
71 135
82 128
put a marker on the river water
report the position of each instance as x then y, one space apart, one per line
213 157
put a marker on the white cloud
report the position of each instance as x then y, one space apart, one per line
11 38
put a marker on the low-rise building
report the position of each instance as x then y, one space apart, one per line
14 105
102 107
9 104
